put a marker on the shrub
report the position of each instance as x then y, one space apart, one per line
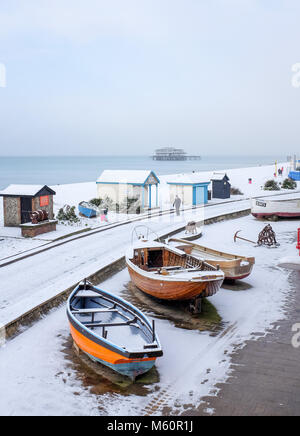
130 205
96 201
235 191
289 184
67 213
271 185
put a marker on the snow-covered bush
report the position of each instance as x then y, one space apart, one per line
96 201
289 184
271 185
235 191
130 205
67 213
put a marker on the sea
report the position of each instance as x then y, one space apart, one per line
57 170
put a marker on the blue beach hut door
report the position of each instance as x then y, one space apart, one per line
198 195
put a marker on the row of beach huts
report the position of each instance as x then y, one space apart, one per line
20 201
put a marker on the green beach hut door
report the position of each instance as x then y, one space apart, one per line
198 195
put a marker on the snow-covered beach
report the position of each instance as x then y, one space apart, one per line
184 378
47 382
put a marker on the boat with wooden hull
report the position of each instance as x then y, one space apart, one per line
170 274
87 209
276 208
111 331
235 267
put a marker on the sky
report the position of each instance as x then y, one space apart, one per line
122 77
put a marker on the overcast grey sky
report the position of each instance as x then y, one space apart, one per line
126 76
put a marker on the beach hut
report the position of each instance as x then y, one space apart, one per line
20 200
192 189
220 186
121 185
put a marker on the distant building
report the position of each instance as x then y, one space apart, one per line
221 187
192 189
120 185
170 153
175 154
20 200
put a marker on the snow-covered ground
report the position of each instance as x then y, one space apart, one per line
38 378
239 178
38 278
11 242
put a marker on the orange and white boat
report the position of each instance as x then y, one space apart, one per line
170 274
111 331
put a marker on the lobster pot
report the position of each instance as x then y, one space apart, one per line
20 201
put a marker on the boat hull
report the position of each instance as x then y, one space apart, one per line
88 213
282 209
100 353
234 267
232 270
174 290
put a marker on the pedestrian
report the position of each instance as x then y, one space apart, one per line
104 215
177 204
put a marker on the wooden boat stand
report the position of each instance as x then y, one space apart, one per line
195 306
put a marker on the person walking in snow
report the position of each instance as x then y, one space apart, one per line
177 204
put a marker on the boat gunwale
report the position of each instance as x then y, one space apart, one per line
219 274
202 248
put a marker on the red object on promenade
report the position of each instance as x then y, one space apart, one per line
298 245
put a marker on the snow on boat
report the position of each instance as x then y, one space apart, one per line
275 208
235 267
87 209
170 274
190 234
111 331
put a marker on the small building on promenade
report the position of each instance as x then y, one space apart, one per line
221 188
192 189
20 200
121 185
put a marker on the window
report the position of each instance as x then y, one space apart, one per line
44 201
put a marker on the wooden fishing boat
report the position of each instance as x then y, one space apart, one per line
87 209
170 274
275 208
111 331
235 267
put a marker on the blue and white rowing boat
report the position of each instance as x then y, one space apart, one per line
87 209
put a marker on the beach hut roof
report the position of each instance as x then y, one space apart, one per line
26 191
136 177
188 179
219 176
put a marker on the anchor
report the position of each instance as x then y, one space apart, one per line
243 239
266 237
